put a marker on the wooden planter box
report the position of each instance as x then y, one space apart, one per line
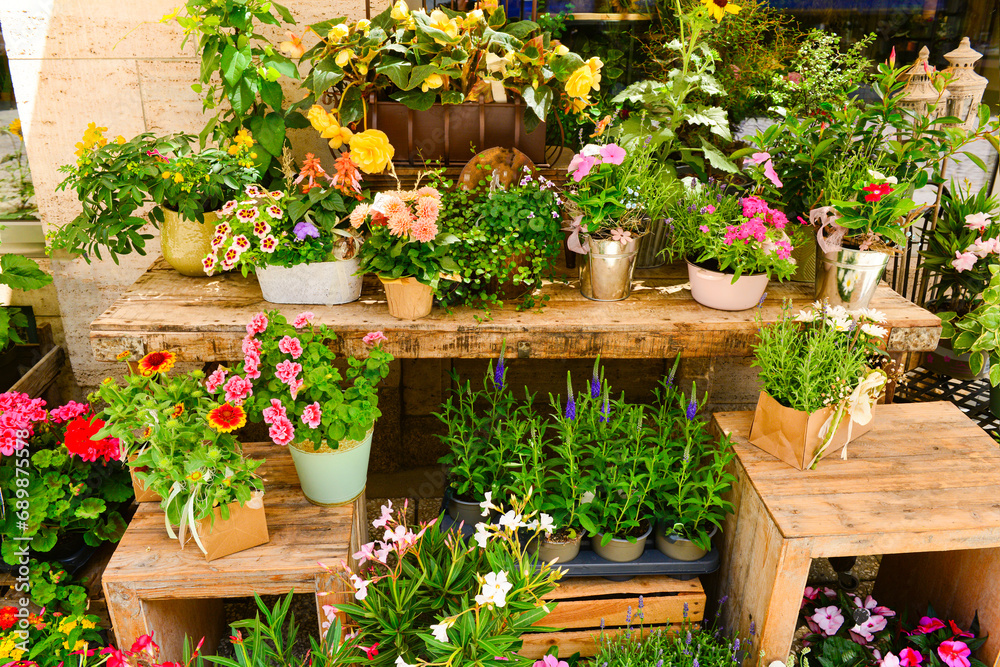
586 603
48 362
455 133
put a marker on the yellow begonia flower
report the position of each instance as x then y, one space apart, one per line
319 118
344 57
473 18
400 11
585 79
338 32
371 151
562 50
718 8
431 82
446 25
576 105
364 25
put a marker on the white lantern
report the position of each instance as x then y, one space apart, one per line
920 92
966 86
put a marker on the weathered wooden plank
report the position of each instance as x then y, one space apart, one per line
591 612
584 642
203 319
581 587
37 380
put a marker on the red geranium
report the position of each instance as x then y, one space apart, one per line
8 618
79 440
876 191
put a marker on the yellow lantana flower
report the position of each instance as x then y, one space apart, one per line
9 649
431 82
586 78
718 8
371 151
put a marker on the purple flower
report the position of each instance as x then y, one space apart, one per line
605 410
499 373
692 409
306 229
685 610
570 408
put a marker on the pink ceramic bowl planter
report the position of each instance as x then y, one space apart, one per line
717 290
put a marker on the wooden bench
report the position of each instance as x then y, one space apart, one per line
204 319
924 483
151 585
588 604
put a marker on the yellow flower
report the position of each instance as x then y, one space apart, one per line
319 118
178 178
432 81
338 32
15 127
339 138
718 8
233 149
489 5
166 175
91 137
364 25
243 138
473 18
120 139
371 151
400 11
446 25
344 57
576 105
585 79
561 50
9 649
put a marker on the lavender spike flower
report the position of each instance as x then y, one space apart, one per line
498 374
606 407
692 409
595 380
570 400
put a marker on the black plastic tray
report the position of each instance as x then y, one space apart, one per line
652 561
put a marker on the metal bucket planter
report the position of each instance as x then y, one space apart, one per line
321 283
186 242
848 277
606 270
652 244
717 290
332 477
621 551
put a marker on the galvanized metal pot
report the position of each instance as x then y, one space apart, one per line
606 271
848 277
651 245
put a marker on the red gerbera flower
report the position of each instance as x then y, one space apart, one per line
876 191
156 362
227 417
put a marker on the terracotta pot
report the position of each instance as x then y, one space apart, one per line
186 242
621 551
455 133
561 552
717 290
679 548
408 299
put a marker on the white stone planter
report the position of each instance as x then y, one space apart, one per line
322 283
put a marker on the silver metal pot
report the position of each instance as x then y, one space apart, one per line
848 277
651 245
606 271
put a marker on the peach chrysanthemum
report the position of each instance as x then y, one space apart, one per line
424 229
359 214
428 208
391 205
428 191
399 222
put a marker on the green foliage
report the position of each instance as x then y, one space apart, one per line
978 331
951 237
391 257
52 587
241 67
348 402
817 357
11 321
54 640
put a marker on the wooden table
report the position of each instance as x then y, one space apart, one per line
151 585
924 480
204 319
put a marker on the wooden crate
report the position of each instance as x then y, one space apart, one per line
586 603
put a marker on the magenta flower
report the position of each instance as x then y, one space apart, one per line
964 261
292 346
550 661
703 228
612 154
959 632
312 415
928 624
908 657
771 174
954 653
829 619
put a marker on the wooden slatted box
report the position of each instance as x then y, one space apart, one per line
585 602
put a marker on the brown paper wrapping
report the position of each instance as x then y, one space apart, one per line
793 435
245 528
142 494
407 298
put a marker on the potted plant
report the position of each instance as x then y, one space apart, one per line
298 241
964 242
479 450
178 438
435 83
114 180
406 250
63 491
732 244
819 383
46 639
423 597
975 334
688 498
611 196
326 418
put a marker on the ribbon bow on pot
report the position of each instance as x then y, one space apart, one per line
575 229
857 407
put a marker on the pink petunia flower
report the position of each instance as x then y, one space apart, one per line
954 653
216 379
287 371
282 431
292 346
237 389
964 261
612 154
312 415
257 324
829 619
275 412
374 338
303 319
251 367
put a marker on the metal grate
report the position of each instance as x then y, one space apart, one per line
971 396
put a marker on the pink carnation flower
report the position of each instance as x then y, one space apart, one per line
312 415
292 346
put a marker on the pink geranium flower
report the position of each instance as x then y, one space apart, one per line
292 346
829 619
612 154
282 431
954 653
909 657
303 319
374 338
257 324
964 261
312 415
287 371
237 389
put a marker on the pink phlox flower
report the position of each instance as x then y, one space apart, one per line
753 206
778 219
312 415
703 229
237 389
303 319
287 371
954 653
612 154
292 346
829 619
